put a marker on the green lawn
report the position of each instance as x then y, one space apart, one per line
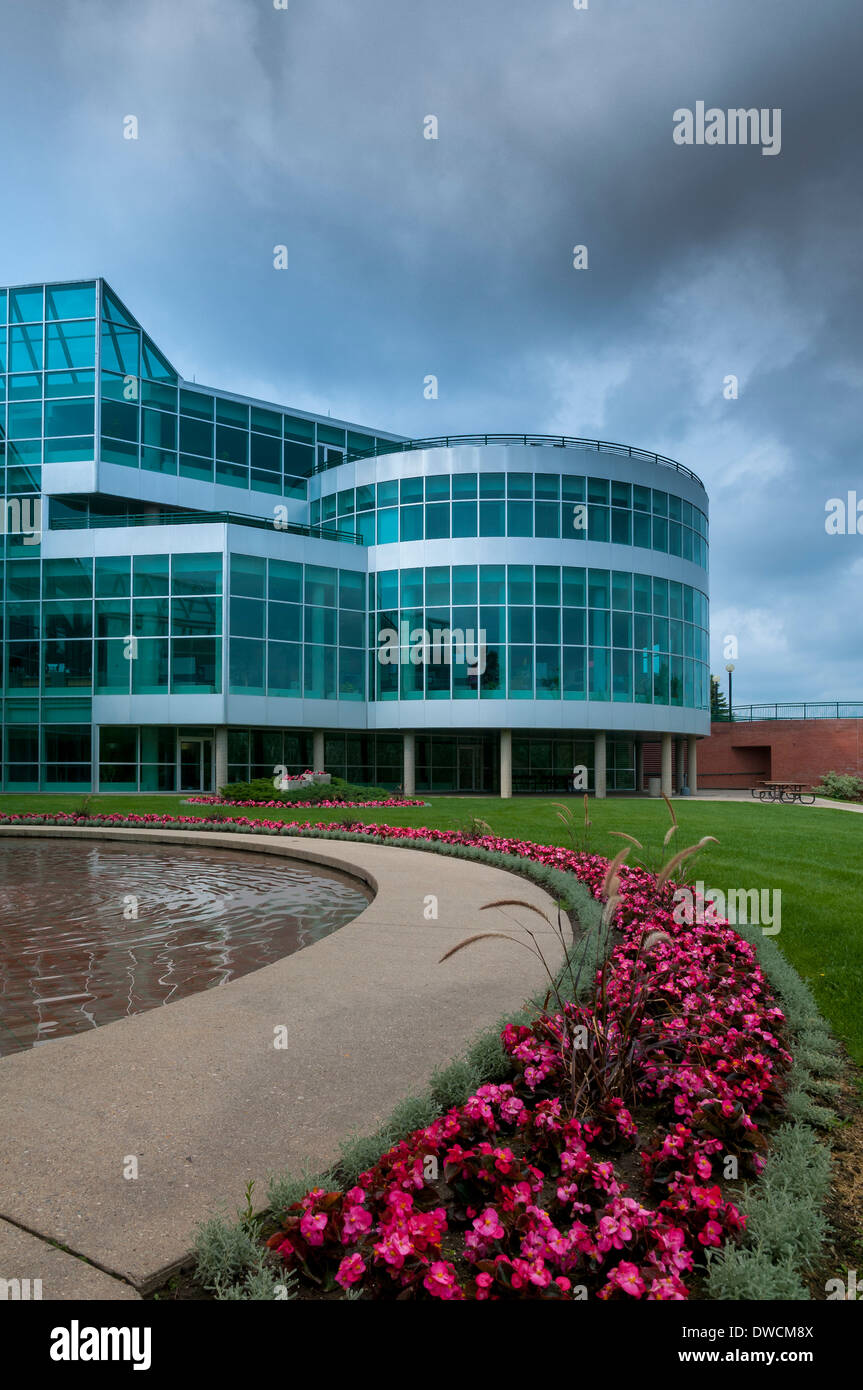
814 856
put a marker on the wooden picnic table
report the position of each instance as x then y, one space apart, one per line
787 792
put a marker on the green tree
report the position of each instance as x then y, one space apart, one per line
718 703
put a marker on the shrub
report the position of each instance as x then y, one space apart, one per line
263 789
841 786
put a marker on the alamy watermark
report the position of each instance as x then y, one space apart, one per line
419 647
738 126
22 516
746 906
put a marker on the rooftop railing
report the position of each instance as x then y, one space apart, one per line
801 709
84 523
544 441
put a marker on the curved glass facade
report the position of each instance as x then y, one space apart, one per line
195 584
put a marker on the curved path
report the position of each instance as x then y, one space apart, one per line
199 1095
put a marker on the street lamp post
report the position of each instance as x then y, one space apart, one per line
730 669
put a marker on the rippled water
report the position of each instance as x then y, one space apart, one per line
90 933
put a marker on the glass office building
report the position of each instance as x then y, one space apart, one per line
197 587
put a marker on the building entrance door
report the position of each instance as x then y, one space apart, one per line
195 757
469 763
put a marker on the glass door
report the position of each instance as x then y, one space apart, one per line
467 767
195 757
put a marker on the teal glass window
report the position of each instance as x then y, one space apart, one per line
195 664
520 583
246 662
547 519
438 488
70 345
67 578
574 626
573 488
285 581
365 497
464 486
24 420
411 523
232 445
25 386
411 490
352 590
599 674
492 485
388 525
464 519
519 517
284 668
320 626
193 616
621 526
388 589
73 383
196 437
598 589
492 518
574 673
69 417
547 485
119 420
547 584
70 301
519 485
248 576
464 585
492 584
25 349
196 574
520 682
574 587
598 523
321 586
320 675
248 618
437 520
121 350
113 577
25 306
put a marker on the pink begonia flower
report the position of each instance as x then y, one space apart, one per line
628 1278
350 1271
357 1222
489 1224
441 1281
711 1234
312 1226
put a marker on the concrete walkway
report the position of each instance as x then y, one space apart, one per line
717 794
198 1095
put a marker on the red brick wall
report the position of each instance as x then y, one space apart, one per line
784 750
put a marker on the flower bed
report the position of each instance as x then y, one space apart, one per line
597 1171
513 1194
332 803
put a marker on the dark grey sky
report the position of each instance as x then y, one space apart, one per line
408 256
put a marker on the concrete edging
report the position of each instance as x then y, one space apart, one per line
197 1092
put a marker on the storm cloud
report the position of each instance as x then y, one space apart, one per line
453 256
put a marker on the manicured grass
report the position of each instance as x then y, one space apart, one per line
813 856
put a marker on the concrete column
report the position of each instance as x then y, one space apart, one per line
639 765
506 763
599 765
665 784
692 743
409 782
220 758
678 776
318 751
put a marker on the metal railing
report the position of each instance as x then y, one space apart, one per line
84 523
801 709
547 441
